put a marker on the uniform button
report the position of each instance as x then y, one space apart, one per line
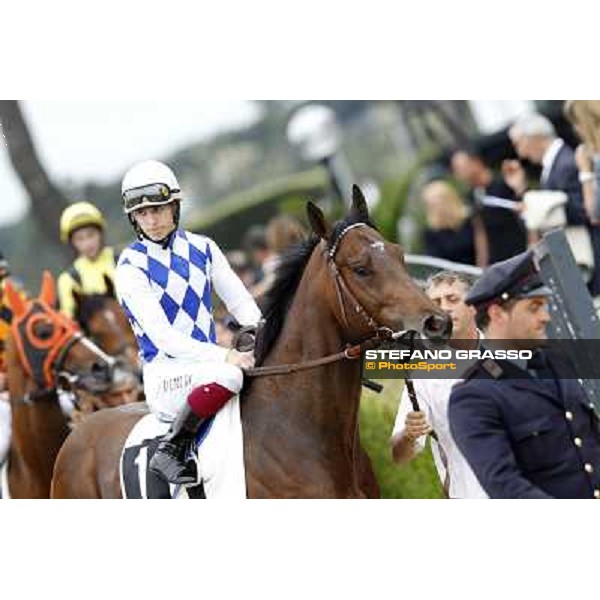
597 494
578 442
588 468
569 415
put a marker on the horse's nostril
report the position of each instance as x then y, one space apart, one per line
437 326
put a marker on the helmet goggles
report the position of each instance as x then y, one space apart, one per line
153 194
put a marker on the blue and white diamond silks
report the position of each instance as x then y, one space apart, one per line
179 276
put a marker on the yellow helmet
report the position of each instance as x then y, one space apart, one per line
79 215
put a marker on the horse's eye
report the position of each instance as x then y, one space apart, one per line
43 330
362 271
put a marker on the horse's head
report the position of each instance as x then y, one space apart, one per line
368 286
49 349
103 319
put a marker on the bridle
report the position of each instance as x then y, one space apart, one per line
351 351
342 289
43 356
120 353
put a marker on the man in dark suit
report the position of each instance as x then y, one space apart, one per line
525 429
495 202
534 139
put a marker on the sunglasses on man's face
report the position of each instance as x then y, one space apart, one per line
156 193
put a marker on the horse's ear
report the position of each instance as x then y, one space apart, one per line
110 286
48 289
359 205
17 303
317 221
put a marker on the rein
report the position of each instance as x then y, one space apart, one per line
351 352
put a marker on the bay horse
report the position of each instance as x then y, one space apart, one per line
45 351
105 322
300 425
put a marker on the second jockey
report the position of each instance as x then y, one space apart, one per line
82 226
164 281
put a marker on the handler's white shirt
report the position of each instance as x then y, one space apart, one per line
433 396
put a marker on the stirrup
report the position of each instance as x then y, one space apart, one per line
171 463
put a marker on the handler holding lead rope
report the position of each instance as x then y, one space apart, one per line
164 282
423 407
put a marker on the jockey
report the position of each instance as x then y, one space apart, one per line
164 281
82 226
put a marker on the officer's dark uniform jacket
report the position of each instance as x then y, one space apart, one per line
526 437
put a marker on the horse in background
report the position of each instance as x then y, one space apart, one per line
300 418
102 318
104 321
45 353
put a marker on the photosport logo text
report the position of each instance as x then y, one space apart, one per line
444 363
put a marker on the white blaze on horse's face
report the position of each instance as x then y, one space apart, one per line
110 317
378 246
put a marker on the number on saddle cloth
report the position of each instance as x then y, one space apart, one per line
139 482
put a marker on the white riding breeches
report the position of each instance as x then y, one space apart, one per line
168 383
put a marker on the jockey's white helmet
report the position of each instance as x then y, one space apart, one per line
149 183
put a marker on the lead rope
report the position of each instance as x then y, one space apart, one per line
412 394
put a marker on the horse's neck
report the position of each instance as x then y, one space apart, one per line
323 400
38 429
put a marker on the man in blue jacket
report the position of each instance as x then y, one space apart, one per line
525 428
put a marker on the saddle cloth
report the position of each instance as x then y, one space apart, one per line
219 455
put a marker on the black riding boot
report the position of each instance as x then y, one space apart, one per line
170 460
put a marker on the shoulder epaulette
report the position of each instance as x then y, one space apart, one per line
491 367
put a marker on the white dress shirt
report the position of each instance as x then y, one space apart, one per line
549 158
433 396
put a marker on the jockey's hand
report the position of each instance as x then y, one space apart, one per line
416 425
244 360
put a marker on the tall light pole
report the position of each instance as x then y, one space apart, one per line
313 131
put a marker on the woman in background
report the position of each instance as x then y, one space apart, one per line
584 115
451 233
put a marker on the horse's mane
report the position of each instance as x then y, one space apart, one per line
277 300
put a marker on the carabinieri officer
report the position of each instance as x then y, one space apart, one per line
525 427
